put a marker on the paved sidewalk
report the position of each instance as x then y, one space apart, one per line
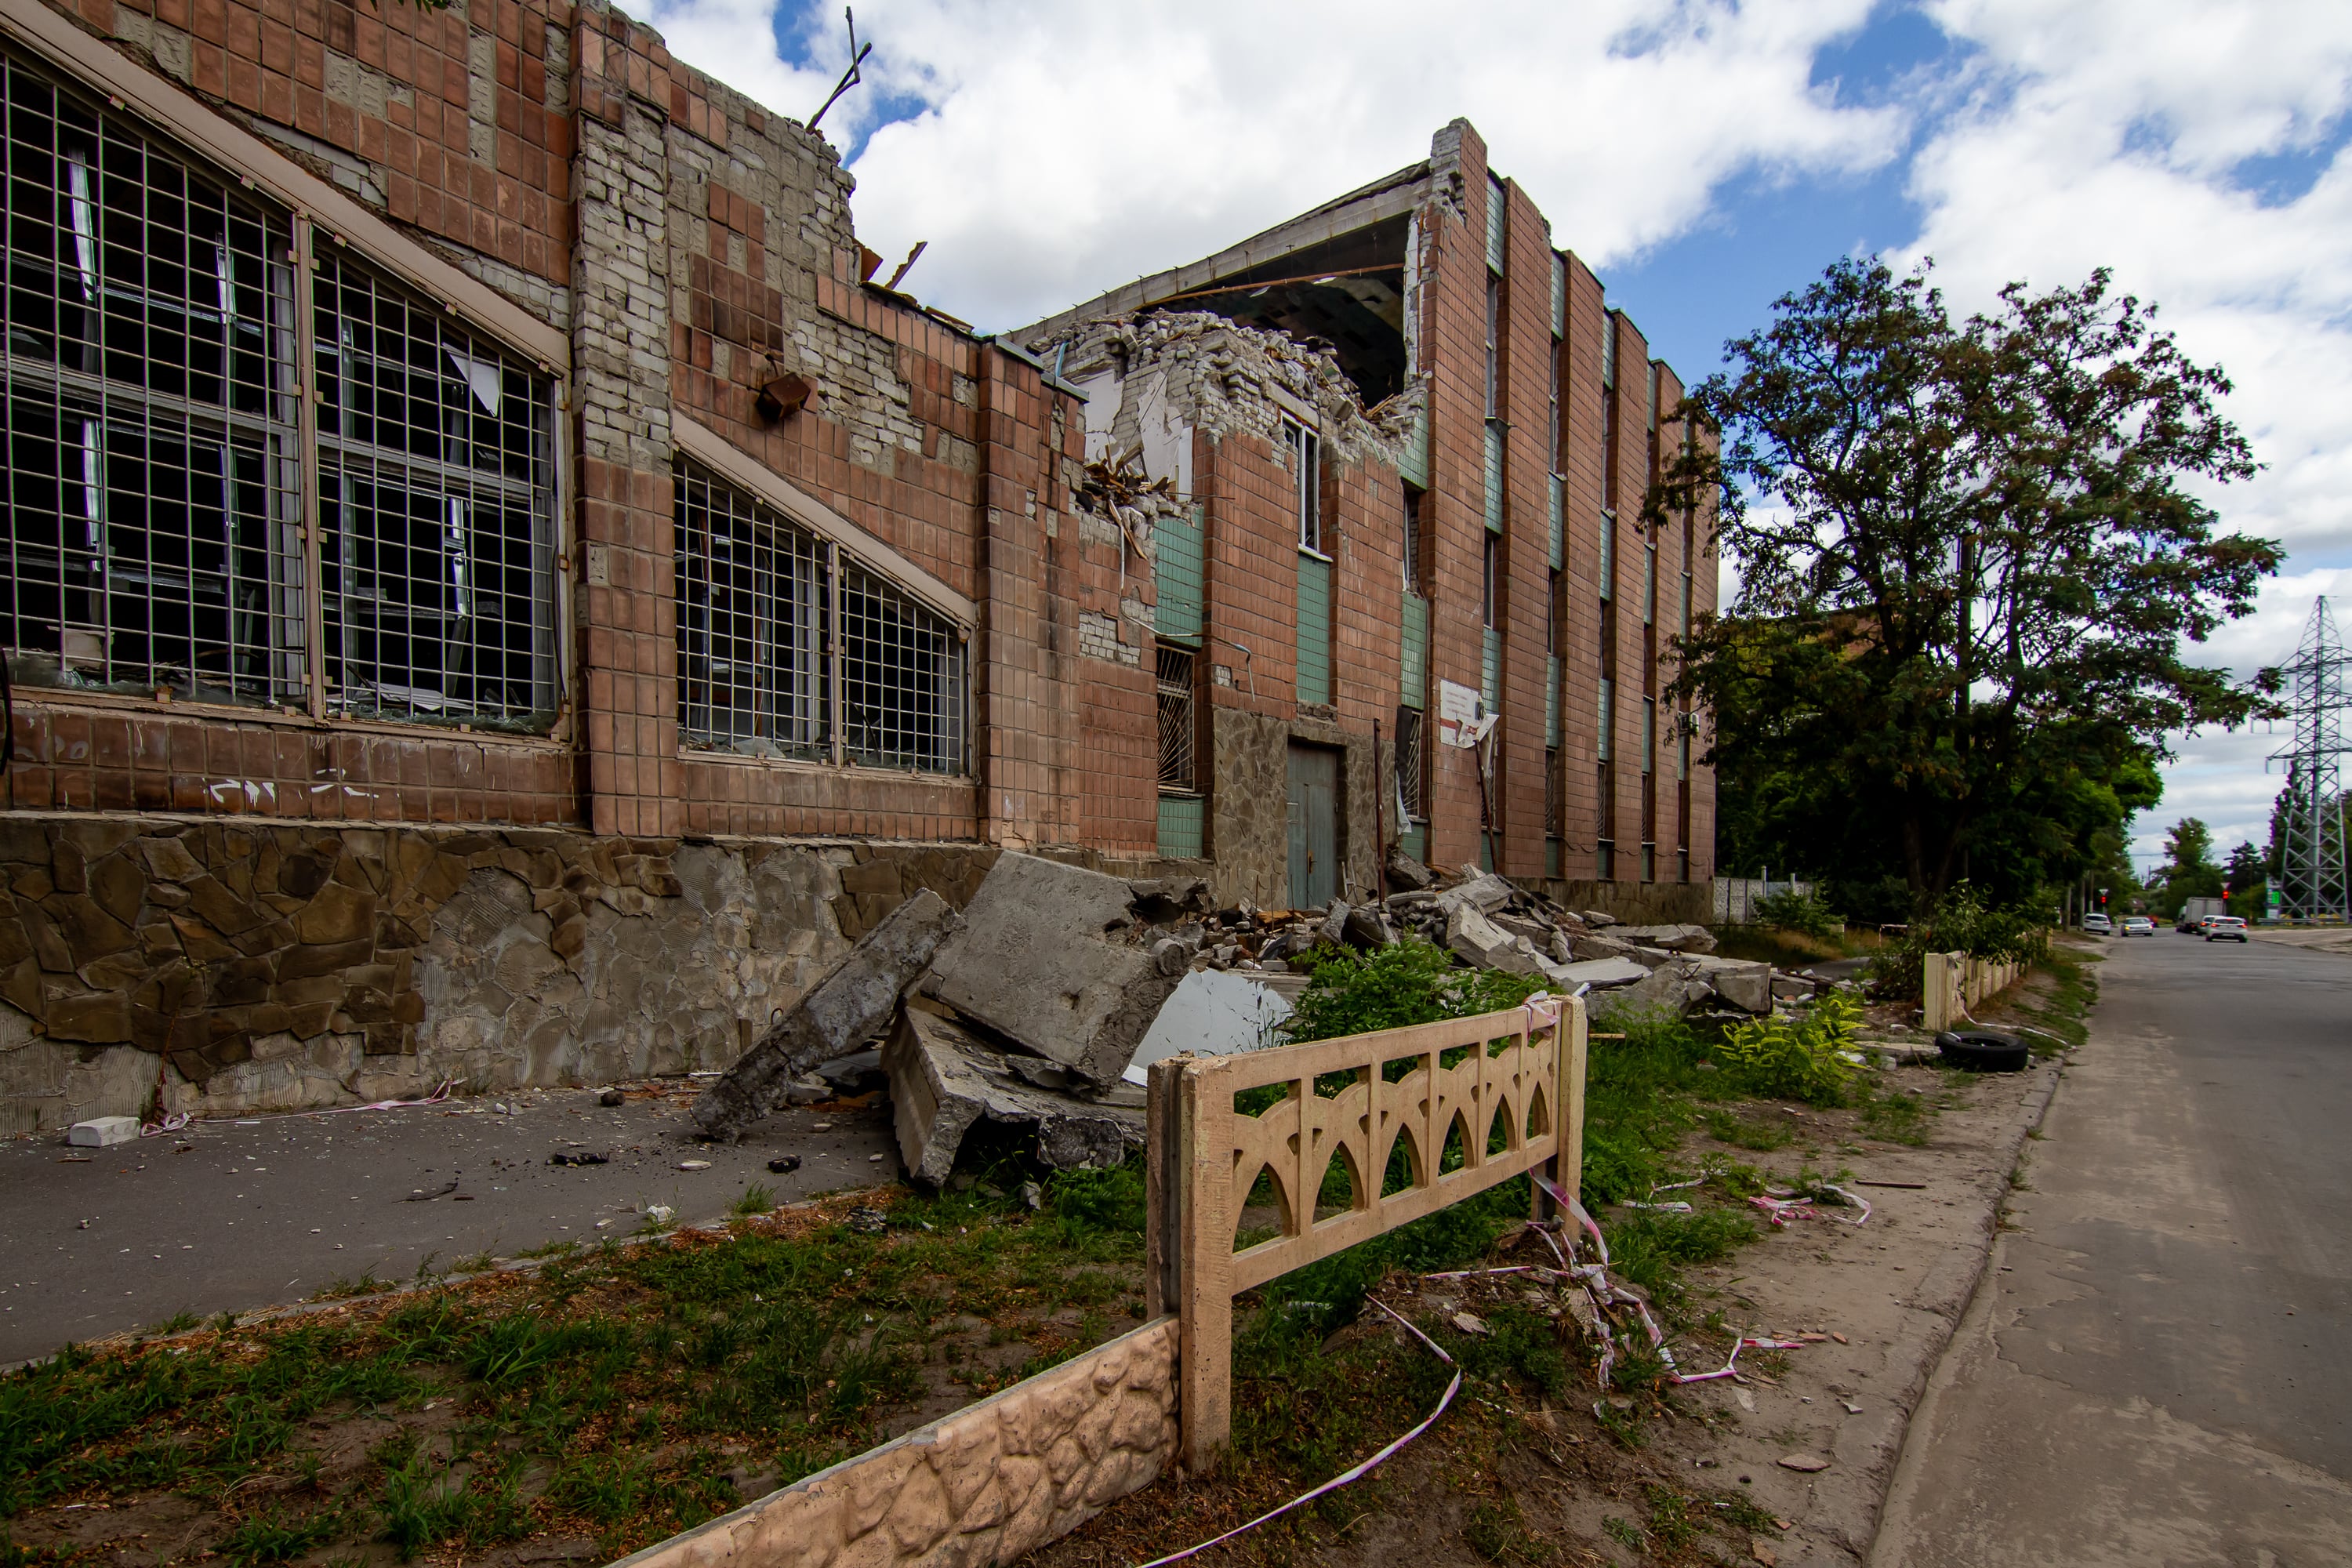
2160 1368
233 1215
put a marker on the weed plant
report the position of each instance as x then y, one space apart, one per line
1798 1058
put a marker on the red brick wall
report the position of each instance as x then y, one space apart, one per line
1581 463
270 59
1453 352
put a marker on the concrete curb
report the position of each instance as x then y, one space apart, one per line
1871 1457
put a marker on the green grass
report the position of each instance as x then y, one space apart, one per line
757 1199
1895 1116
1762 1135
2065 1011
612 1389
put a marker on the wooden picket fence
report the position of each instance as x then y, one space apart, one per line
1508 1086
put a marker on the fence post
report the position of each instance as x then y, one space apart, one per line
1202 1168
1569 1047
1935 993
1163 1190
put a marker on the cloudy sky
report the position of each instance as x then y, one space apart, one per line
1706 157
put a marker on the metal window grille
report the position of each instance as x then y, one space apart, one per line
902 678
1555 795
1409 762
1175 703
752 626
436 513
1608 719
147 399
1306 467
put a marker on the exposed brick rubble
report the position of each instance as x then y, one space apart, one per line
1219 377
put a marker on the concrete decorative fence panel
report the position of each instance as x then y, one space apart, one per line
1030 1464
1953 983
1509 1086
981 1487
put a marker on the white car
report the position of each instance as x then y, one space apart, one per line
2224 928
2098 925
2138 925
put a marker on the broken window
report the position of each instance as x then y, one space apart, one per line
1410 764
146 392
1305 468
1413 570
1175 704
758 595
436 503
752 610
902 678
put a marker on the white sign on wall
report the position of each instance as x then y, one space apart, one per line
1461 716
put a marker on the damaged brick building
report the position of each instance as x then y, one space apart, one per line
1396 450
497 592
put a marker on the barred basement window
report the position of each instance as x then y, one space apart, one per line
146 394
1410 763
1555 795
1175 703
437 513
902 678
751 671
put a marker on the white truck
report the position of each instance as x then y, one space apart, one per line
2196 910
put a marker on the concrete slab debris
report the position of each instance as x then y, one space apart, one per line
838 1015
1048 958
103 1131
1747 987
944 1081
1675 938
1600 973
1213 1012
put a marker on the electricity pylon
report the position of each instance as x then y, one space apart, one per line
2312 879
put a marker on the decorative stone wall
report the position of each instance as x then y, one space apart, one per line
978 1487
220 967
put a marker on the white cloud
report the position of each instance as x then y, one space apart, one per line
2111 132
1062 148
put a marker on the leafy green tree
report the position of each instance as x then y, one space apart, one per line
2249 881
2189 870
1971 553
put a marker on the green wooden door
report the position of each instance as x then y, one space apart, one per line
1313 818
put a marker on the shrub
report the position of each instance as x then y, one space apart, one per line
1961 922
1415 982
1795 1058
1803 913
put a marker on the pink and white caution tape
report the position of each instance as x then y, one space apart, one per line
1779 1211
1345 1477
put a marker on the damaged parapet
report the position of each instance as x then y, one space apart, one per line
1051 959
945 1080
1153 380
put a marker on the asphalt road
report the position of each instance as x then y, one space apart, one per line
234 1215
2157 1368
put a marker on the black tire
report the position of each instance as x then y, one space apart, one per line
1983 1050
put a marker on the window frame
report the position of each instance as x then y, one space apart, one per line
174 126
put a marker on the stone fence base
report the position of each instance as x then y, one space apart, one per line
975 1488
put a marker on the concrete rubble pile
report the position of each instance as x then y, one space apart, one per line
1039 1006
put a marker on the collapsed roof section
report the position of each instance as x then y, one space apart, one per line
1152 382
1337 277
